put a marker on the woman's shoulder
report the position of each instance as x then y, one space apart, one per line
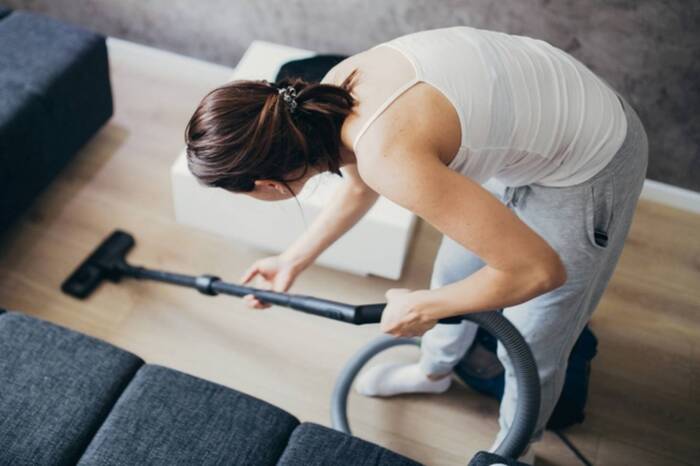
411 119
341 70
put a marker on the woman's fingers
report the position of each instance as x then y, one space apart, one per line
256 272
250 299
249 274
268 277
253 302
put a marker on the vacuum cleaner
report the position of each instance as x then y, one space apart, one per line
108 262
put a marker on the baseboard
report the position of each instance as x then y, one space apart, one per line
672 196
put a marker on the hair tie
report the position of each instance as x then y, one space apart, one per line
289 95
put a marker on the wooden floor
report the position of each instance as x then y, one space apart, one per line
644 404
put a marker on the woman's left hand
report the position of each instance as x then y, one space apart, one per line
402 315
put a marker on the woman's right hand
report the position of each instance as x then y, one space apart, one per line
276 273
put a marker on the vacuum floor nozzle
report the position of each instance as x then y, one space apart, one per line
107 262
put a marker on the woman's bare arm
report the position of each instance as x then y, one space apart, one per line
350 202
519 263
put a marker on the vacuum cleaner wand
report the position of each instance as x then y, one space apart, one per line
108 262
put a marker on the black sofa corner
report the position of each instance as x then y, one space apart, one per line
55 94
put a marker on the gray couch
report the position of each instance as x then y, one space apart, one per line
67 398
54 95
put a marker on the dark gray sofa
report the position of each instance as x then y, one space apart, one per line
54 95
67 398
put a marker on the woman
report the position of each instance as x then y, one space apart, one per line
424 120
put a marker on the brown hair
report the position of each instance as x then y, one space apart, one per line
245 131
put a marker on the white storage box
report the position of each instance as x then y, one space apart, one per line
376 245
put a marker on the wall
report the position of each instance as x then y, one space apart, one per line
647 49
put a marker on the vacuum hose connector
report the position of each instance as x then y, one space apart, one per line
204 283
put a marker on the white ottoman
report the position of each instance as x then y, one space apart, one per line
376 245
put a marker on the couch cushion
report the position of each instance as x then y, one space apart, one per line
24 155
56 388
166 417
314 445
61 74
4 11
66 65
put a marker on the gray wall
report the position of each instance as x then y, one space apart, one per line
647 49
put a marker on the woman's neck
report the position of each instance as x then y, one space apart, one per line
347 157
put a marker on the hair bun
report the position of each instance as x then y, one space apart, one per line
249 130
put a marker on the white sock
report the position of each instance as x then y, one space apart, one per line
395 379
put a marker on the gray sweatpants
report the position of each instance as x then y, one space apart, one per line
575 221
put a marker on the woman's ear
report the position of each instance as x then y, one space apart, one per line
269 185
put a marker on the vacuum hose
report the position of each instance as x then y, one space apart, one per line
528 383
